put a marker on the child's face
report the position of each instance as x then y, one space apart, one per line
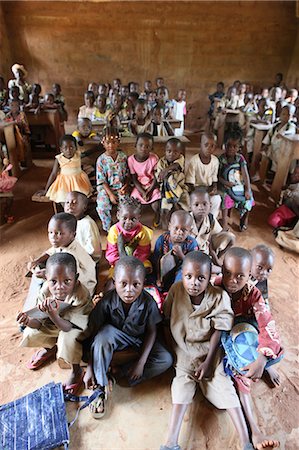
74 204
181 95
162 94
235 273
128 284
220 88
195 278
110 144
242 88
200 204
265 93
116 83
152 96
160 82
172 152
116 101
124 91
207 146
68 148
89 100
140 111
143 148
14 107
61 281
56 89
157 116
101 102
49 99
59 234
128 217
148 86
15 92
102 89
284 115
262 264
232 147
36 89
133 87
84 127
179 228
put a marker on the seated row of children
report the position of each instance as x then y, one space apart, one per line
195 313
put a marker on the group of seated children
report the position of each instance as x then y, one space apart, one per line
194 316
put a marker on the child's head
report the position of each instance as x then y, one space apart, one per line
141 109
133 97
294 177
116 83
173 149
231 92
133 87
110 140
68 145
14 106
196 273
285 115
102 89
14 92
236 269
62 229
116 102
157 115
159 82
233 141
56 88
242 88
36 89
84 126
200 203
76 203
262 105
152 95
265 93
144 145
129 213
101 102
49 98
124 91
220 87
181 95
207 144
61 275
262 262
93 87
147 86
293 94
278 78
236 84
162 94
89 99
179 226
276 94
129 275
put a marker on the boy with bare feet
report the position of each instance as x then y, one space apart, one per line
58 333
197 314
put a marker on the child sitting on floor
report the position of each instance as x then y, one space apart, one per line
126 317
62 233
249 307
112 176
203 171
170 175
142 167
234 181
58 333
84 131
87 232
207 231
175 243
142 120
67 174
128 236
196 314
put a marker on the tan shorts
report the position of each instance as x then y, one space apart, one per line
219 390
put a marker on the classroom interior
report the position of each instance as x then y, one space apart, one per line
193 45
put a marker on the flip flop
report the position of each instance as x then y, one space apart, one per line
75 387
37 359
175 447
98 403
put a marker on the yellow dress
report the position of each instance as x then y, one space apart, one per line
70 178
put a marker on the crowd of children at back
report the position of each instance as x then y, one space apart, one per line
208 283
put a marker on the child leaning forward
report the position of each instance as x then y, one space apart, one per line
197 314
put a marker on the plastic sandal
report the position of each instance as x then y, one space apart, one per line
75 387
98 403
37 360
175 447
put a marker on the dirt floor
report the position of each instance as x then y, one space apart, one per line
139 416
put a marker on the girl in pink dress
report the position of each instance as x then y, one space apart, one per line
142 167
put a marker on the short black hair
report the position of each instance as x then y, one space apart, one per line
129 262
235 133
130 202
85 119
239 252
90 94
62 259
69 220
144 136
200 190
142 102
80 195
68 138
176 142
198 257
134 94
263 249
181 213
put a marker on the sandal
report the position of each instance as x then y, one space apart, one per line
38 359
175 447
74 388
98 403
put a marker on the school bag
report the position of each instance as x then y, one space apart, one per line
38 420
233 174
281 217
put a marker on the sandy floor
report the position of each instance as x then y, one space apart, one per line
139 416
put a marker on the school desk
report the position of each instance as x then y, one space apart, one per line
260 130
99 124
231 115
49 118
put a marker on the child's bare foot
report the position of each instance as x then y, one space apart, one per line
75 382
272 377
261 442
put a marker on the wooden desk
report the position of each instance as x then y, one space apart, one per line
289 150
9 134
231 115
49 118
260 130
100 124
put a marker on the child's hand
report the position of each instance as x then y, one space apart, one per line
50 306
177 251
255 369
247 194
30 265
39 273
22 318
113 199
123 190
136 371
203 371
97 298
121 243
162 175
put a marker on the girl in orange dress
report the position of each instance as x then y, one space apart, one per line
67 174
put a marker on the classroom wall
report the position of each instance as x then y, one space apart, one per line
5 50
190 44
293 72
